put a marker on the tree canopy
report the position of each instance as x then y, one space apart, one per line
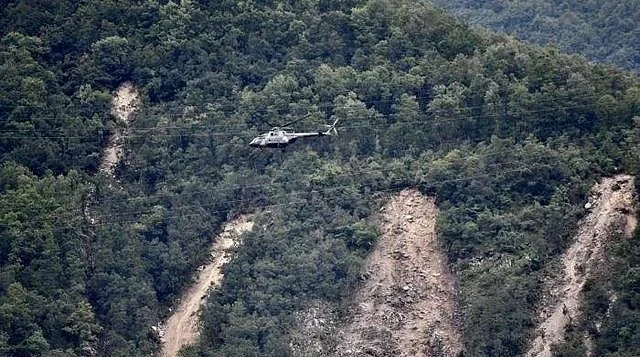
507 137
603 31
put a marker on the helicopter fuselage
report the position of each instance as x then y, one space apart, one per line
279 138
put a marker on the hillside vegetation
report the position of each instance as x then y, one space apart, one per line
604 31
506 137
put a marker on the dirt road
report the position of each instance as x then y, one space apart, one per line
612 209
182 327
123 106
406 307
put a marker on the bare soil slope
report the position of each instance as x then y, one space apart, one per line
407 305
612 209
182 327
123 105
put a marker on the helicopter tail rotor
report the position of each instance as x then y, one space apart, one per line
331 129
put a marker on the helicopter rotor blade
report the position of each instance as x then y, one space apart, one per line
285 125
262 119
295 120
291 122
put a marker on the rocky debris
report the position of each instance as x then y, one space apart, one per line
86 209
407 305
315 333
612 216
123 106
125 102
159 331
182 326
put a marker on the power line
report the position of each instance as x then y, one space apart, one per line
262 185
224 125
325 190
271 184
520 131
299 192
498 152
283 196
146 132
451 119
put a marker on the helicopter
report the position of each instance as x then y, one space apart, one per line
279 138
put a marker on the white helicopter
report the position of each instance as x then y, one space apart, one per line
280 138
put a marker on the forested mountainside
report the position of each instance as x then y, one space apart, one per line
603 31
506 137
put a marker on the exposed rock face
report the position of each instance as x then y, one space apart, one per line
123 106
407 305
612 214
182 327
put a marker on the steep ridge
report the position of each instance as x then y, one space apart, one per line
612 213
406 306
182 327
123 106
